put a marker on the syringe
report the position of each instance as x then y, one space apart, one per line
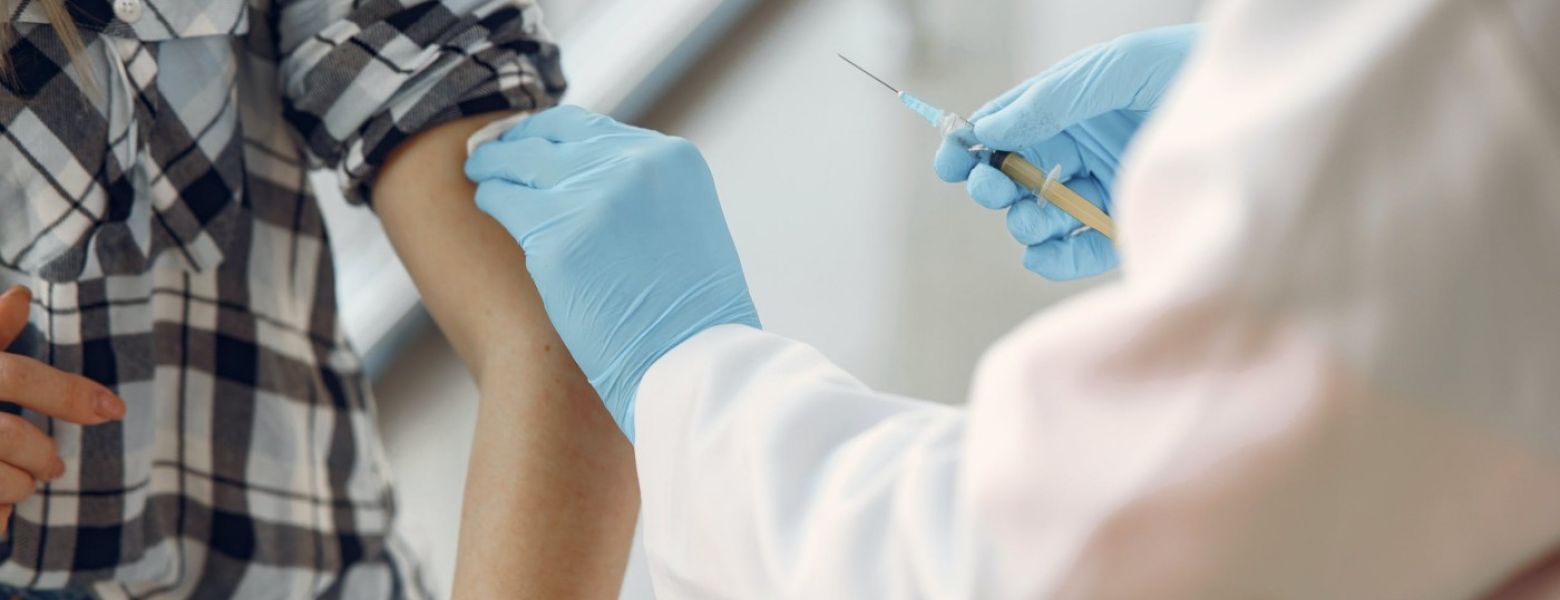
949 123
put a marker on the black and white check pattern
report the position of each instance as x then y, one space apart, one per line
162 216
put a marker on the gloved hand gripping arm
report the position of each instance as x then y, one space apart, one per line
624 235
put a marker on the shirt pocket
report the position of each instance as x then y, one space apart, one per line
46 214
68 185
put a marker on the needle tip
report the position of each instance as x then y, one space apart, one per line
868 73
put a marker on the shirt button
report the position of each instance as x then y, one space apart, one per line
128 11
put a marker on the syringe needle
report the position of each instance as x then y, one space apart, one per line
1014 166
868 73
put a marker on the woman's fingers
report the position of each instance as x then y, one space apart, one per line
14 304
25 447
15 484
27 455
31 384
35 385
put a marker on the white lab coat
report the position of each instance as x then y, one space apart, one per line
1330 370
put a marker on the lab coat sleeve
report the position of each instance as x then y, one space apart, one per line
747 492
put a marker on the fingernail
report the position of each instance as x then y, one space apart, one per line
59 469
108 406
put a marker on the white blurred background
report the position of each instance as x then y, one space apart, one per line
849 241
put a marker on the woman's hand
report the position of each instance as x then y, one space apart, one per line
27 455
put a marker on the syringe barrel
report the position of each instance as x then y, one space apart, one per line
1030 176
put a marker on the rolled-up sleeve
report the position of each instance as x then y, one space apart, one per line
360 77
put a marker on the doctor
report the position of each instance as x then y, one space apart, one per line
1328 370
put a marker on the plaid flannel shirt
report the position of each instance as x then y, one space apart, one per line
162 216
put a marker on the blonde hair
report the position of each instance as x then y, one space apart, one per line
64 27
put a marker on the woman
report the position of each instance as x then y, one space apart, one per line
152 182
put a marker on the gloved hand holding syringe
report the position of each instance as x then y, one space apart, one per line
1044 184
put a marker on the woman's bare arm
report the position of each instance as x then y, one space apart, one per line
551 495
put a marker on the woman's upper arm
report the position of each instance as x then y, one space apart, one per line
550 496
470 273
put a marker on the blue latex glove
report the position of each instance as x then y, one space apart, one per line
623 235
1081 114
